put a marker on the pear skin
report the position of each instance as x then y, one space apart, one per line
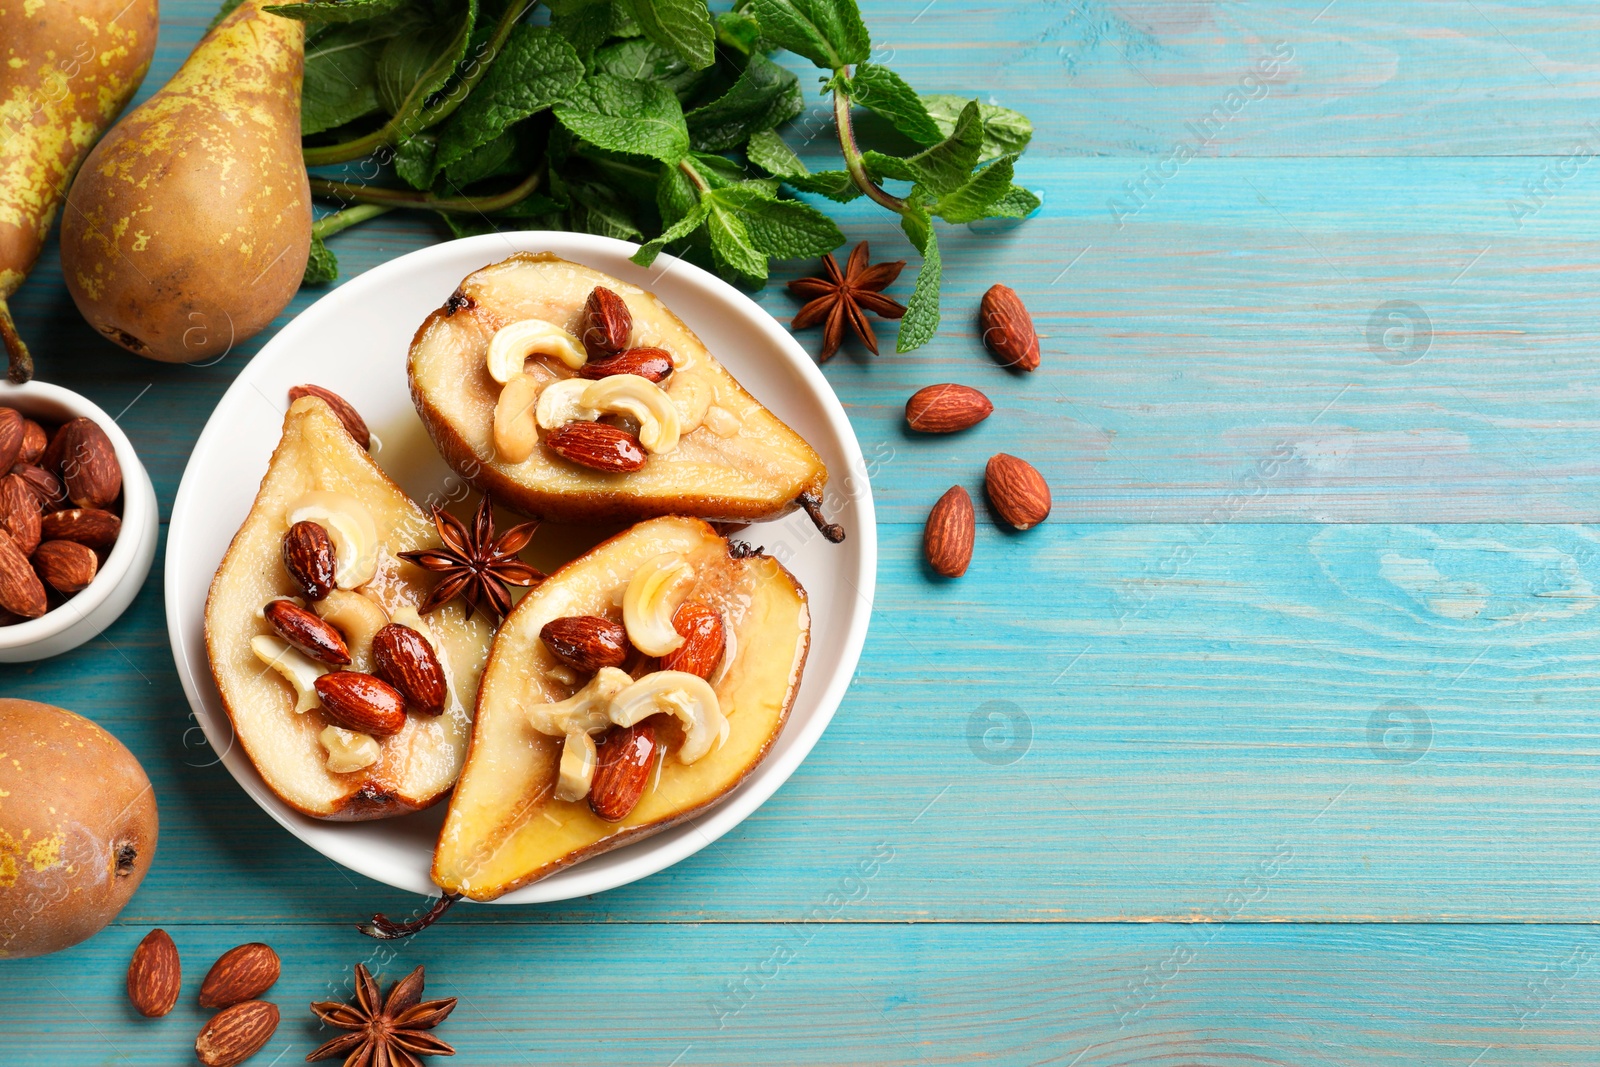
67 67
190 223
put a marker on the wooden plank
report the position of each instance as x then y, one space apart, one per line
832 993
1097 723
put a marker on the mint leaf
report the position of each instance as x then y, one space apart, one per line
971 202
827 32
336 10
768 151
836 185
682 26
623 115
941 169
675 195
739 32
418 63
676 232
595 209
880 166
340 74
1004 131
784 229
732 248
1017 203
535 68
644 60
584 23
491 160
881 90
323 266
921 320
765 95
413 161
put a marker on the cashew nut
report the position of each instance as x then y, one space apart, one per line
300 670
654 593
578 760
688 696
585 710
511 346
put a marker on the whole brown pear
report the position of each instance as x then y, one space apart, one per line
77 828
66 68
190 223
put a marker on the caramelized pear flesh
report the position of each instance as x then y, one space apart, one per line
504 828
737 462
415 766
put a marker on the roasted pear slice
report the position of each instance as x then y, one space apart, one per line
317 468
733 459
505 828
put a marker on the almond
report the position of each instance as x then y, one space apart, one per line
66 566
87 526
607 322
623 770
21 592
34 440
235 1034
1008 328
341 407
88 464
946 408
586 642
307 632
1017 491
309 558
11 434
155 975
597 446
947 539
242 973
19 512
704 639
362 702
653 364
46 486
405 659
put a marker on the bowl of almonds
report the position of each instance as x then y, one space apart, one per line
78 521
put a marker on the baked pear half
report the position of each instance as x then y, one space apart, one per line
573 396
309 582
631 690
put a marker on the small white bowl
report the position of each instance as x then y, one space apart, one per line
100 603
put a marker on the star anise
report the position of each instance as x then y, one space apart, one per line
384 1033
476 565
843 299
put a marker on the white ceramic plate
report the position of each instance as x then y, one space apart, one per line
354 341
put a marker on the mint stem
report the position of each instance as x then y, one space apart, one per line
354 193
340 221
853 161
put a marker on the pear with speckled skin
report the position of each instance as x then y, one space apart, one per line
67 67
190 223
77 828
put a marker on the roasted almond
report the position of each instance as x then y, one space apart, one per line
66 566
34 440
309 558
598 446
404 658
1008 328
155 975
607 322
623 770
87 526
11 434
341 407
19 512
704 639
586 642
88 464
651 363
947 539
242 973
46 486
362 702
1018 492
946 408
307 632
235 1034
21 591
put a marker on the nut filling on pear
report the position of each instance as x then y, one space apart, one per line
634 688
573 396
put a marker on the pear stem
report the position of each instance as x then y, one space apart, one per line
19 360
811 504
386 929
353 192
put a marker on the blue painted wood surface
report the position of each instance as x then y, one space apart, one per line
1276 744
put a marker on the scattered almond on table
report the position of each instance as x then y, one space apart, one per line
155 975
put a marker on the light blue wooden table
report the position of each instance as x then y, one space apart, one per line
1276 745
